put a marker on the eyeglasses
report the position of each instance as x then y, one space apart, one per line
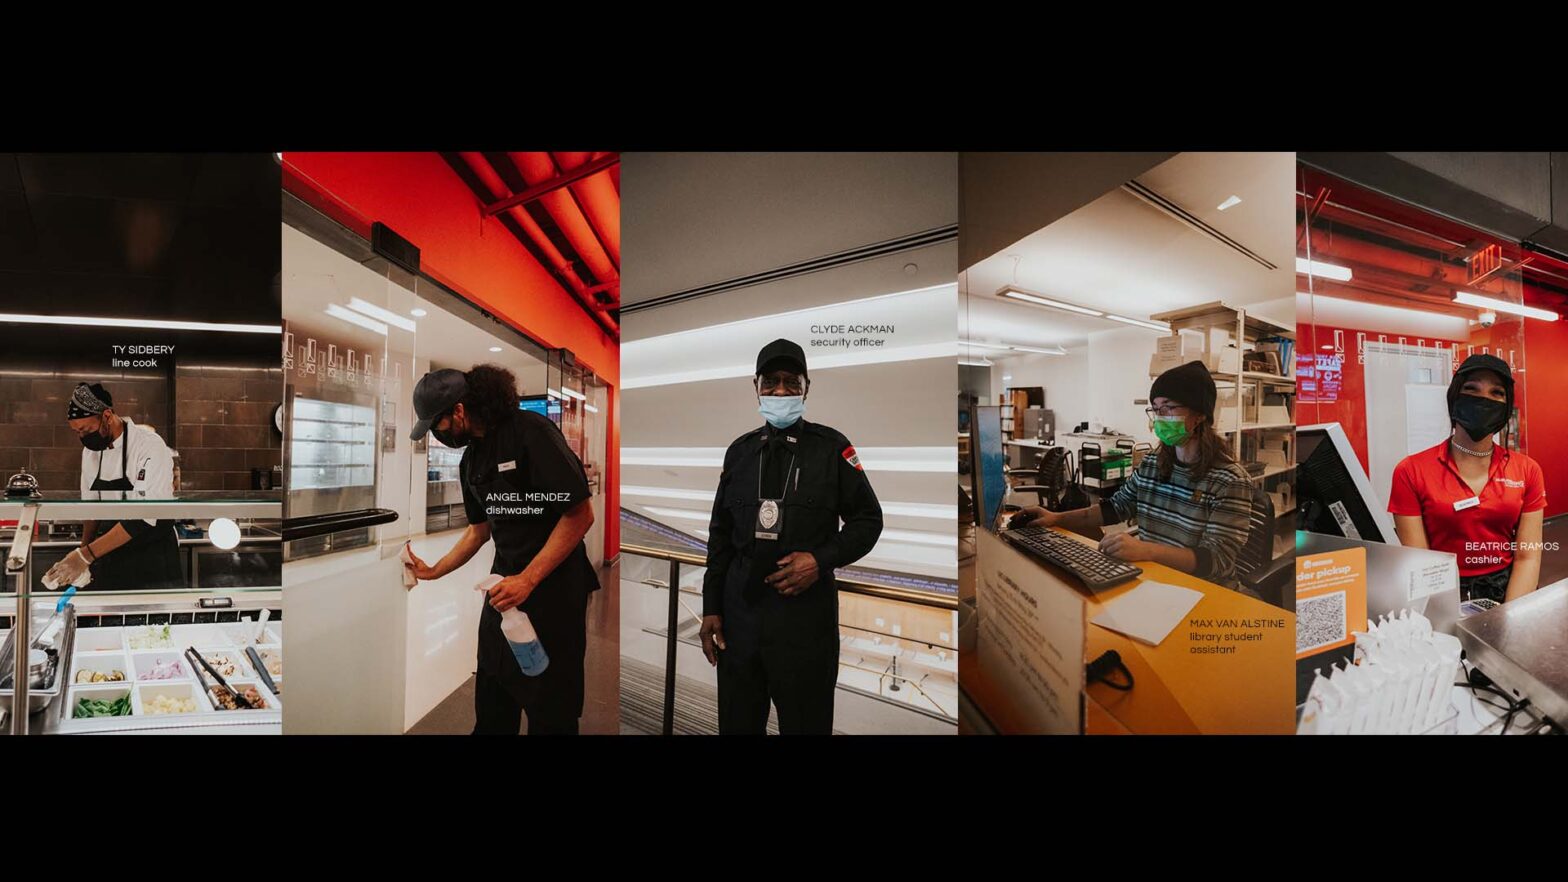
794 384
1166 410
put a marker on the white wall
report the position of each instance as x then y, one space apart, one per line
1097 383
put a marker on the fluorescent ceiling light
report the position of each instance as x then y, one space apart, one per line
1322 270
684 514
939 459
1469 299
495 349
552 393
1007 378
1015 294
905 509
981 363
590 408
1232 201
1139 322
667 493
160 324
1055 350
417 313
574 394
377 312
355 318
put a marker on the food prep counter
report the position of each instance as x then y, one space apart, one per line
123 669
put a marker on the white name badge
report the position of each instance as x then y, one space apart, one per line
1463 504
507 466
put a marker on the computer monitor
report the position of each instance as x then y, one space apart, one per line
986 459
1333 495
543 405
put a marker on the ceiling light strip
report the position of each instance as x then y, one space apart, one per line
1182 215
152 324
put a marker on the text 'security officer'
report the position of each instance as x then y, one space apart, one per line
120 461
525 488
769 600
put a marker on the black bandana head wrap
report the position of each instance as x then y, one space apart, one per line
89 401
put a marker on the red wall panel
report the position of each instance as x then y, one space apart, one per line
422 199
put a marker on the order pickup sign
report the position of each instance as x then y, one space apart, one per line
1331 599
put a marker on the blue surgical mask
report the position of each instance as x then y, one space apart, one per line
782 411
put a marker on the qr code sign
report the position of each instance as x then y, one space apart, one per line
1320 621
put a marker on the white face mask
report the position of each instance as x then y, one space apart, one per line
781 410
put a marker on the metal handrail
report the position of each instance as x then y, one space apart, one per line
845 583
671 640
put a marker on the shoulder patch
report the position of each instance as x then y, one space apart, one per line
851 457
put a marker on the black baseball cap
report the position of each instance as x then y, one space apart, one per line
782 353
436 393
1481 363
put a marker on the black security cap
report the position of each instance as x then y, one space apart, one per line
1189 384
1481 363
437 393
782 354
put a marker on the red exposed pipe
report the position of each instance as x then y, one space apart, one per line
537 167
497 189
600 198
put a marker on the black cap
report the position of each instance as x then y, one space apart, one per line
782 353
436 393
1481 363
1190 384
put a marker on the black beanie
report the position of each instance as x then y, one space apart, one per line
1189 384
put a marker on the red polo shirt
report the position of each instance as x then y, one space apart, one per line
1428 485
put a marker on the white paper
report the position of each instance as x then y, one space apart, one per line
1149 612
1426 416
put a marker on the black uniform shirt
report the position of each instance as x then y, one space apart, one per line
824 486
520 477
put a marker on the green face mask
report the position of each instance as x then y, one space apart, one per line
1172 431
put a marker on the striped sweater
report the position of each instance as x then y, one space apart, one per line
1212 516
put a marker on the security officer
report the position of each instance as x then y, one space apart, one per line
525 488
769 602
120 461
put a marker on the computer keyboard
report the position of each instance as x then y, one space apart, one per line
1088 565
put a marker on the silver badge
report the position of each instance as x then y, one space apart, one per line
769 515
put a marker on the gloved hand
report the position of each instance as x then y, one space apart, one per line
68 570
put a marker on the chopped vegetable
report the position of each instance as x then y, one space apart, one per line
163 669
163 704
152 637
97 707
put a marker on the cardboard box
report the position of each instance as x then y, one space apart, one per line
1159 364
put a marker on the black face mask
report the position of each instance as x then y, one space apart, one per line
96 440
452 439
1479 417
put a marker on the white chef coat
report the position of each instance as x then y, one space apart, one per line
148 460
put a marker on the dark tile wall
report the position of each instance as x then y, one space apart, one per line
225 428
33 432
222 415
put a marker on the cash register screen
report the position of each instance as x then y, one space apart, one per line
1328 495
985 434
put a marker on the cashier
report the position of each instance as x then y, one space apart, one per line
1471 496
524 488
1191 500
121 461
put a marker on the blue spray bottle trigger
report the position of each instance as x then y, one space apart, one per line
65 599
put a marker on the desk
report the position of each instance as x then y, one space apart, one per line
1176 691
1024 452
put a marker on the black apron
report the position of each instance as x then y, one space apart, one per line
557 608
151 559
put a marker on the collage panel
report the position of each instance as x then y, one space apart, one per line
1432 587
450 448
1126 426
139 388
788 551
